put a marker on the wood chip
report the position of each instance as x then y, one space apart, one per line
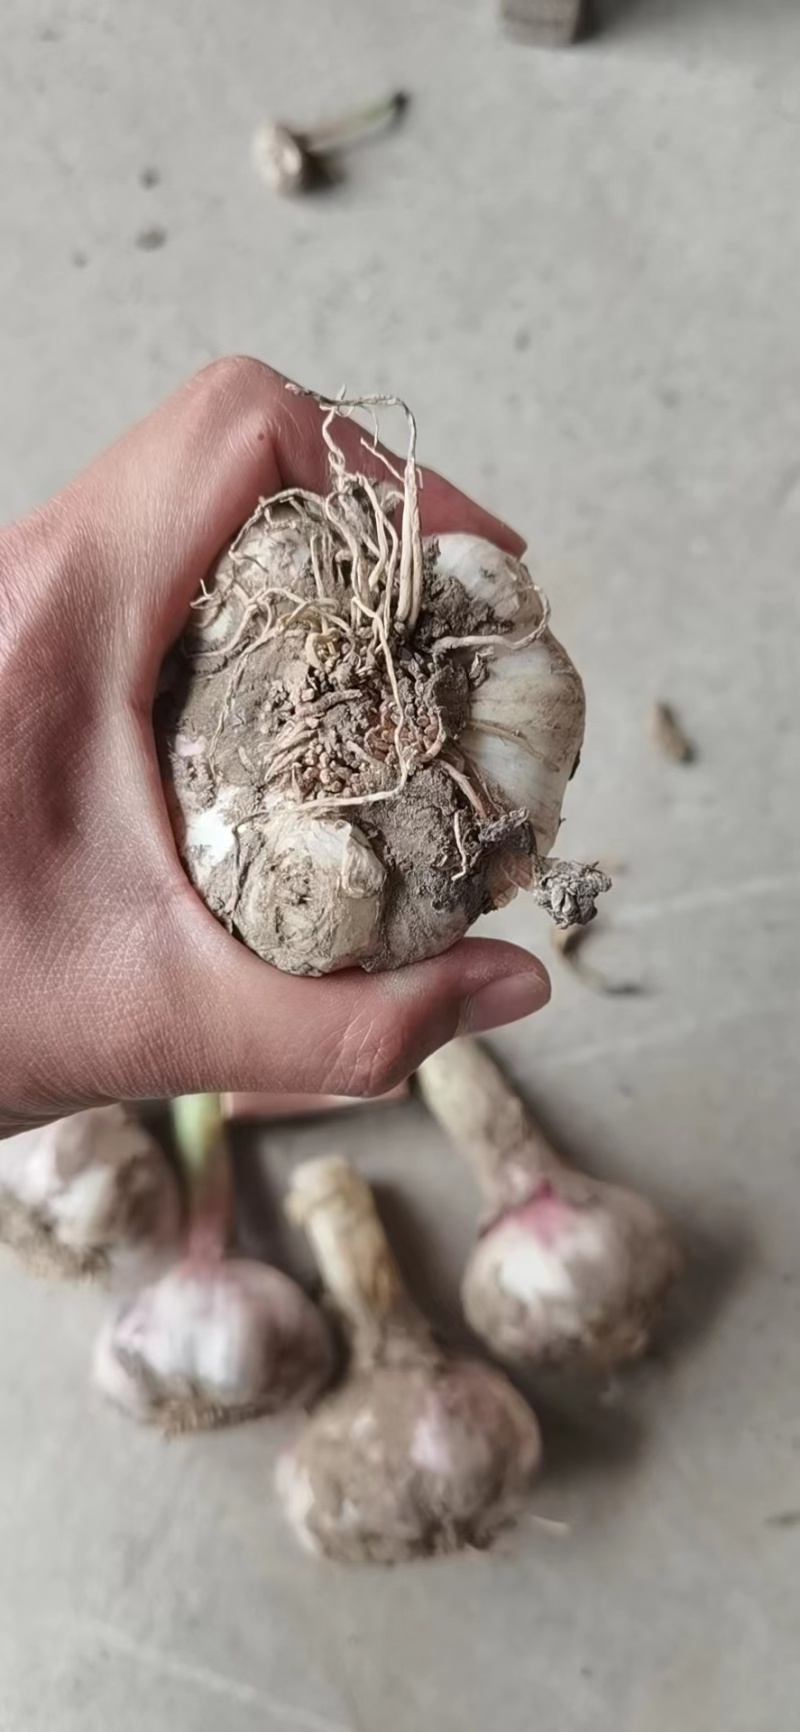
550 23
668 736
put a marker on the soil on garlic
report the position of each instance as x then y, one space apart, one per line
437 851
88 1196
411 1461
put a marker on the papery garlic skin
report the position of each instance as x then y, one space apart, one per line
318 895
90 1194
527 719
214 1344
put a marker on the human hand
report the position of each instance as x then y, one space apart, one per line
116 980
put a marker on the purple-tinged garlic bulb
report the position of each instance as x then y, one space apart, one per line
567 1269
218 1339
419 1452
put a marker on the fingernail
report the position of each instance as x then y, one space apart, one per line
504 1001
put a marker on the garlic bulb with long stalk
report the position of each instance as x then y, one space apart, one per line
218 1339
567 1269
367 735
419 1452
89 1195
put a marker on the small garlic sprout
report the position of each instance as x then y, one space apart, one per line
292 162
89 1195
366 736
567 1269
218 1339
419 1452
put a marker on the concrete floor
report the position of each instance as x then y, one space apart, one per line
582 271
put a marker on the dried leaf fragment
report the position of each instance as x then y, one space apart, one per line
668 736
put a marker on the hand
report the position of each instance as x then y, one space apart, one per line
116 981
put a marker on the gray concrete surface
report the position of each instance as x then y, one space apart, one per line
582 271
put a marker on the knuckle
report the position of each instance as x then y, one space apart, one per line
241 377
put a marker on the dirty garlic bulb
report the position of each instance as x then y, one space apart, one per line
367 736
567 1269
218 1339
92 1194
419 1452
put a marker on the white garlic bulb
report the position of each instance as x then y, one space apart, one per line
368 738
89 1194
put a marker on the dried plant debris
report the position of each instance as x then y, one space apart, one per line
569 943
668 736
292 162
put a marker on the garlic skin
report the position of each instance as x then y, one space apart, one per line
92 1194
527 719
419 1453
318 897
213 1344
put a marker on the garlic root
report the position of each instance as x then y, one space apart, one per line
567 1269
89 1195
419 1453
218 1339
366 736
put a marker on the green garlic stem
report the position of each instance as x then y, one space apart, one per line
202 1144
352 125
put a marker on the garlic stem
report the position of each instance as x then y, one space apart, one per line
353 125
335 1208
202 1145
489 1124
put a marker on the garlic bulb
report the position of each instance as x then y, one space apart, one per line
419 1452
567 1269
88 1195
366 737
217 1339
213 1343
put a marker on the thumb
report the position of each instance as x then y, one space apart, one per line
252 1028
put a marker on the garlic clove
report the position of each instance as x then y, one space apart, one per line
315 904
214 1344
89 1194
527 717
275 543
